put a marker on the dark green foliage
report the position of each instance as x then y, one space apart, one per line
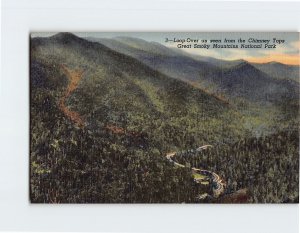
266 166
152 114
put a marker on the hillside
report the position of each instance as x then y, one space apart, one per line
103 117
239 83
168 61
102 125
140 90
279 70
219 77
244 80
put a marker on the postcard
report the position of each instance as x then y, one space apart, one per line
164 117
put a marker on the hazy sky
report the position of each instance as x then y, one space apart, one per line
287 52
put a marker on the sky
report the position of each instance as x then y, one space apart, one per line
286 53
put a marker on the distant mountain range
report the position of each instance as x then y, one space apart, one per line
268 82
137 48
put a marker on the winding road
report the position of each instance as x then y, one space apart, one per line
219 184
75 76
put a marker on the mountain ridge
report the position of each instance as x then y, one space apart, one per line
210 77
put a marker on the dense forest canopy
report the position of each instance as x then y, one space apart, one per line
103 121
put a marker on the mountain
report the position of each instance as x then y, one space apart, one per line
168 61
107 68
230 78
104 118
220 63
279 70
102 124
244 80
237 83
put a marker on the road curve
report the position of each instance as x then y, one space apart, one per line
219 184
